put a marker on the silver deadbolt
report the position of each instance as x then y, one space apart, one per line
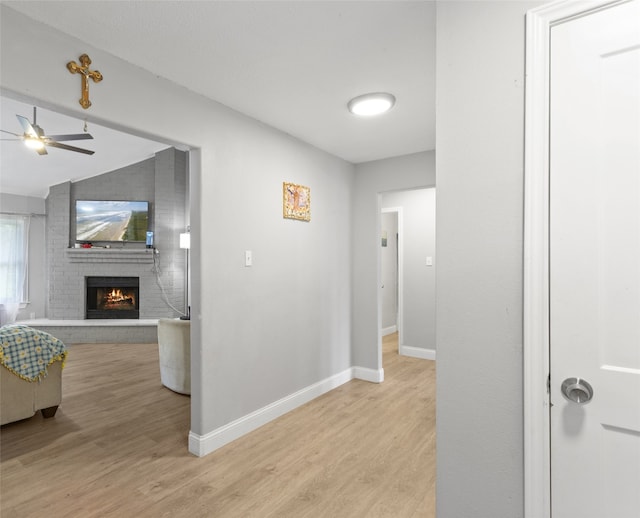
577 390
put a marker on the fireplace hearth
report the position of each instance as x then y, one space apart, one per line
112 297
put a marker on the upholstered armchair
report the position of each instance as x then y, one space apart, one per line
30 373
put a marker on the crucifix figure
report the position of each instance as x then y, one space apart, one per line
83 68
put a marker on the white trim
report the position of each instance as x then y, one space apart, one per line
537 450
417 352
389 330
202 445
366 374
537 497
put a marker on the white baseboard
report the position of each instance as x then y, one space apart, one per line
202 445
418 352
389 330
365 374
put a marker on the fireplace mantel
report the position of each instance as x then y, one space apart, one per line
110 255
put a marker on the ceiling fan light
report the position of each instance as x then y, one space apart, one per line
371 104
33 143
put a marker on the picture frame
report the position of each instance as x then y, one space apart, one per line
296 201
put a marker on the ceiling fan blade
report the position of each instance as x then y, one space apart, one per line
69 148
27 127
77 136
11 133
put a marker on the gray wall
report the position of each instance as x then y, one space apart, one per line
284 323
37 262
162 181
372 179
259 334
480 117
419 287
241 338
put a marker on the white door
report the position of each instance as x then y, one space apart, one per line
595 264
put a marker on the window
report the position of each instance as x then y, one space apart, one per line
14 236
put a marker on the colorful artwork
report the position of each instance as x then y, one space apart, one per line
296 201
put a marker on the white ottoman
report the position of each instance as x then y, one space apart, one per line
174 344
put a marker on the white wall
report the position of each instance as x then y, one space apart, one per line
372 179
259 333
37 249
480 117
419 286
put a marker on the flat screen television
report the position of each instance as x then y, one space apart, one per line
100 220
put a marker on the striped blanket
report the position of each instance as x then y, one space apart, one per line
28 352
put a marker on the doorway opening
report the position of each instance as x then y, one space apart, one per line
129 297
391 273
406 291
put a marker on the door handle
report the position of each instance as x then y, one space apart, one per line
577 390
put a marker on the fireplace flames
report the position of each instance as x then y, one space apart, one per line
115 298
112 297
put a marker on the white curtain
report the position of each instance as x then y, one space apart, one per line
14 258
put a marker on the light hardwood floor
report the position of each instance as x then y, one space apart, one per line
118 447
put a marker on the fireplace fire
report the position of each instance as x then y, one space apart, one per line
112 297
115 298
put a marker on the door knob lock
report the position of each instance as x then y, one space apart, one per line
577 390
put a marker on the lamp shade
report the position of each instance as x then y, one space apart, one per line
185 240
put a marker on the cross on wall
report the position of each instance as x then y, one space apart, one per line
83 70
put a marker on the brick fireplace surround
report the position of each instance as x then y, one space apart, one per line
161 180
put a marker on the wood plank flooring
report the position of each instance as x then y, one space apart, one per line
118 447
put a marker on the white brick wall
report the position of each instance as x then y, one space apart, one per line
163 182
101 334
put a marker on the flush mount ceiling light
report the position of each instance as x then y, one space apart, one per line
371 104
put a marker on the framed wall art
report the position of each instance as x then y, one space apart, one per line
296 201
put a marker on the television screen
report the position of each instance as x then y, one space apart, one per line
111 220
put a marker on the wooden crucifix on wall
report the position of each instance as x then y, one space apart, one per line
83 69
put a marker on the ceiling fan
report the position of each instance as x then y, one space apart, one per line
35 138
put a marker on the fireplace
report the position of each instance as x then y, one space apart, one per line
113 297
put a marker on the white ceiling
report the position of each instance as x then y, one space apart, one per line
26 173
291 64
